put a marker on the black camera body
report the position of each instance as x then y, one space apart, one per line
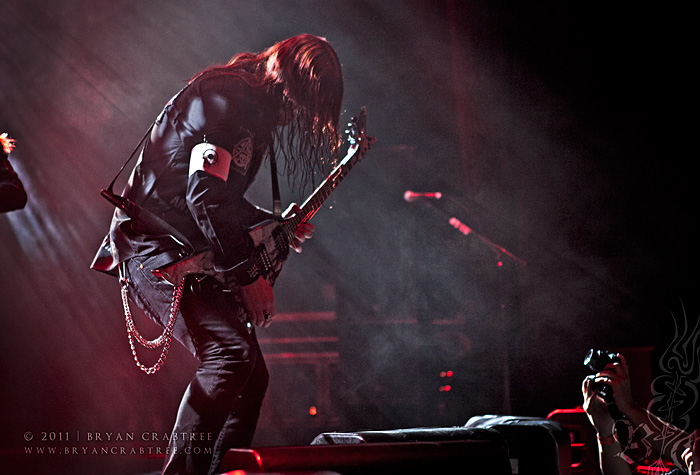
596 361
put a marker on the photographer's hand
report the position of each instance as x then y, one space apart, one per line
618 377
596 409
667 439
611 463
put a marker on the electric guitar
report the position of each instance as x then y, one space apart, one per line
272 238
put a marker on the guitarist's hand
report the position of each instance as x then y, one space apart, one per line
259 302
303 232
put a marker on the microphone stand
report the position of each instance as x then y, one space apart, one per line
499 250
467 230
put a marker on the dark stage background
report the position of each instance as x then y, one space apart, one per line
553 130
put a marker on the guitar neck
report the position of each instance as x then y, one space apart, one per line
314 202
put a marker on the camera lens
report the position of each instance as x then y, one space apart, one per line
590 358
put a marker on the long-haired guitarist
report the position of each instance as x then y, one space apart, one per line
186 194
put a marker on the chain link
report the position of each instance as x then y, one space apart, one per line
163 340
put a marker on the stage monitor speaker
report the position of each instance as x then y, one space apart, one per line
383 452
418 434
536 446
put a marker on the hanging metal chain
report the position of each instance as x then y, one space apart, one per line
163 340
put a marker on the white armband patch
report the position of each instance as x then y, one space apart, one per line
211 159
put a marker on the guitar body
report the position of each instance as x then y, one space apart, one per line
271 251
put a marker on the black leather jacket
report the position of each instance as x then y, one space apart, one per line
206 211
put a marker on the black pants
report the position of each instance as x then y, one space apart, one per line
221 405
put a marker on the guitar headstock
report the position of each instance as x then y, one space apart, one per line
357 134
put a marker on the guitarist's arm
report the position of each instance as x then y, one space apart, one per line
224 222
216 183
219 215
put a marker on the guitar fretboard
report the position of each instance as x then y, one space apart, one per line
314 202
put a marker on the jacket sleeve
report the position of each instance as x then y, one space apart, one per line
218 207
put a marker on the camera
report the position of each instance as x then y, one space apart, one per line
596 361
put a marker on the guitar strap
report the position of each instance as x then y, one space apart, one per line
147 222
276 201
110 188
144 220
